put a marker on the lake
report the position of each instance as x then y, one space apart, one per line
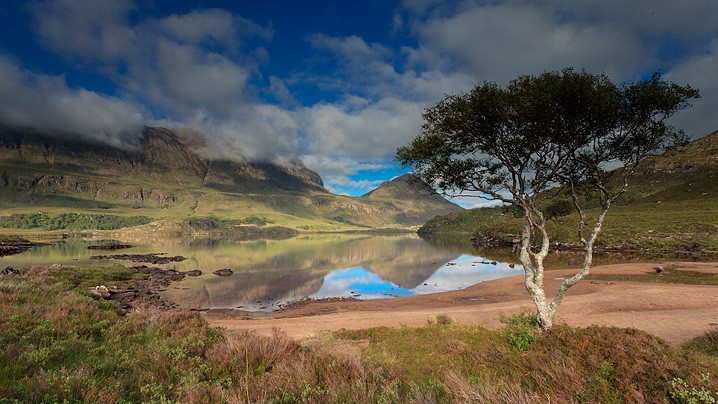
270 273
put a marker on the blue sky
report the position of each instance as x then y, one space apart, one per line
339 84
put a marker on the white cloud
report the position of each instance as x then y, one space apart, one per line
184 79
93 31
336 172
213 25
372 132
500 42
200 69
700 72
654 20
192 68
46 102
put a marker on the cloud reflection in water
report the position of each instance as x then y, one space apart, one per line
457 274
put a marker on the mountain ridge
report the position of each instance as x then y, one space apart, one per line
165 176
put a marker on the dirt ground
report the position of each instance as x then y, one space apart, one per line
675 312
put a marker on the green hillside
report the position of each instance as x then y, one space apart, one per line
671 204
164 178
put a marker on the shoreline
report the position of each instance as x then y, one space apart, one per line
675 312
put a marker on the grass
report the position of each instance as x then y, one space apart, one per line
59 343
70 221
594 364
671 204
688 225
707 343
670 276
12 239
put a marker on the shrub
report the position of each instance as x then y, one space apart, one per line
520 330
70 221
707 343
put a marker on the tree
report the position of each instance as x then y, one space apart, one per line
542 137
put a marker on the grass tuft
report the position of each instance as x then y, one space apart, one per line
59 344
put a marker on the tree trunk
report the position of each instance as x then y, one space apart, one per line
534 269
534 272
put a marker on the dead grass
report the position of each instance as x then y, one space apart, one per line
59 344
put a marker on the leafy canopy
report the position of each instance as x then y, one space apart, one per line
539 132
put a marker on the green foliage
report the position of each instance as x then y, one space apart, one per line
59 345
682 392
520 331
4 238
707 343
440 319
558 207
70 221
472 364
256 220
204 223
494 139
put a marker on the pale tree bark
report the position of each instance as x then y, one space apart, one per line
534 229
534 271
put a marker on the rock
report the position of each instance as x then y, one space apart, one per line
109 247
8 271
151 258
512 266
223 272
195 272
101 291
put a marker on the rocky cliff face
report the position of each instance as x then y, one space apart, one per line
164 176
34 165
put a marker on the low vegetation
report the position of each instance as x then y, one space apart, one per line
670 205
70 221
58 342
641 226
668 275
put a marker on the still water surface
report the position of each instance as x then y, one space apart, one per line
269 273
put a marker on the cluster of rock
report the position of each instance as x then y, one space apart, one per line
150 258
109 246
143 293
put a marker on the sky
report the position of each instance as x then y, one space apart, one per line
338 84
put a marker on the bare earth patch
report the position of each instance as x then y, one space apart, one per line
675 312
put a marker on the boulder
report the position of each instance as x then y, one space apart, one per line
223 272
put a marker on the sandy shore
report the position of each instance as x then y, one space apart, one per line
674 312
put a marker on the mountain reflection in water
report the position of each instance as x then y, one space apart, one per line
270 273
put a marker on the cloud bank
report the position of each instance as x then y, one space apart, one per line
207 69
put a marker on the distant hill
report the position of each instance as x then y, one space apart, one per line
671 203
164 177
414 195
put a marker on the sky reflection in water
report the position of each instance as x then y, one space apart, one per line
269 273
459 273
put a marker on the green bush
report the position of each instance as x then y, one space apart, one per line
70 221
520 330
256 220
682 392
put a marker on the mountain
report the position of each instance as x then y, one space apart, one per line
671 204
414 195
164 177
